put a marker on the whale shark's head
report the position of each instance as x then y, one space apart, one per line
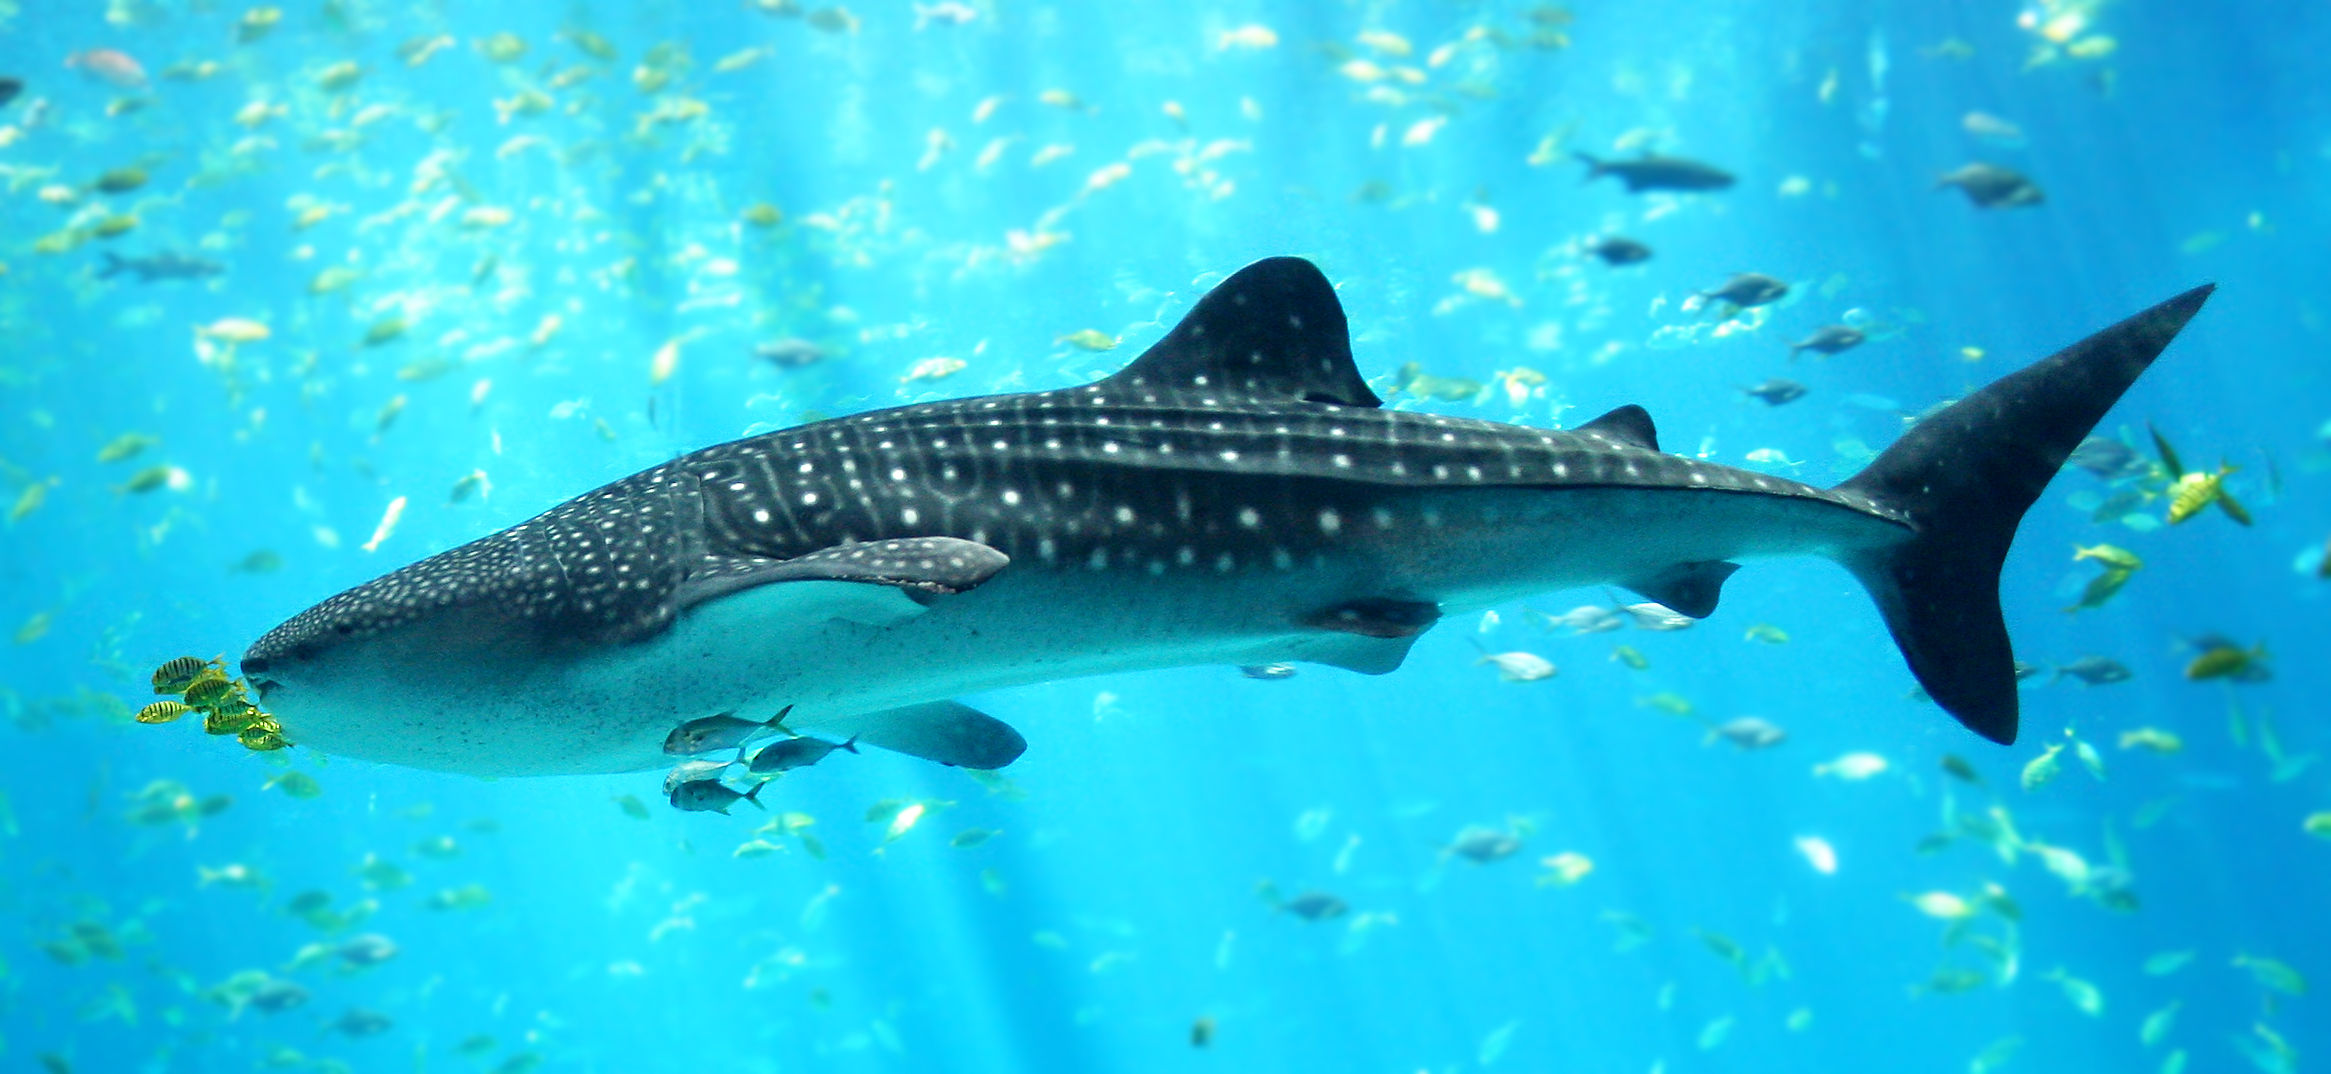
481 594
385 669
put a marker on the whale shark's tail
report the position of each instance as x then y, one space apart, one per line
1965 477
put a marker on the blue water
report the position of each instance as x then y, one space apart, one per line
1119 905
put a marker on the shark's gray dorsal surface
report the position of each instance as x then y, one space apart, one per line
1236 495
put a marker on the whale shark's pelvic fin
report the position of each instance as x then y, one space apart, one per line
949 732
1965 477
1273 332
1689 588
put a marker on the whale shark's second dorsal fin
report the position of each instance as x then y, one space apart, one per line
1272 332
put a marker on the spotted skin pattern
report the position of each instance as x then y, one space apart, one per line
1135 473
1236 495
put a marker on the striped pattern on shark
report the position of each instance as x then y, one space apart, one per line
1235 495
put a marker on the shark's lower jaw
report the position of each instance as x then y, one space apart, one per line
1234 496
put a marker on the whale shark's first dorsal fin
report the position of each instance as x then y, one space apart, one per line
1272 332
1630 425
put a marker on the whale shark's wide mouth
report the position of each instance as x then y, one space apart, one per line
255 672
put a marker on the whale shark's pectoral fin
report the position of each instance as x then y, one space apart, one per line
949 732
896 576
1371 635
1689 588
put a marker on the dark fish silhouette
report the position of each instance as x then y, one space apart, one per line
1619 250
1654 172
789 353
1777 391
785 755
711 795
2095 670
1749 289
166 265
9 88
1828 340
1316 906
2108 458
1990 186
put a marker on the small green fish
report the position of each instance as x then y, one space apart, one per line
295 784
1723 947
2225 661
262 561
331 280
2082 994
144 481
592 45
1995 1056
2089 758
385 330
1090 339
2101 589
2113 557
2157 1025
1712 1035
632 807
126 446
120 180
429 368
2043 768
2273 974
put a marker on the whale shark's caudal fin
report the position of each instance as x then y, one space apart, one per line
1965 477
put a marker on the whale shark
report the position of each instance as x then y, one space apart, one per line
1235 495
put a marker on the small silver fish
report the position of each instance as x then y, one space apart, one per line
711 795
1748 733
1828 340
1484 845
1267 671
723 732
795 753
692 771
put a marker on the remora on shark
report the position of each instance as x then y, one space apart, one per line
1236 495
